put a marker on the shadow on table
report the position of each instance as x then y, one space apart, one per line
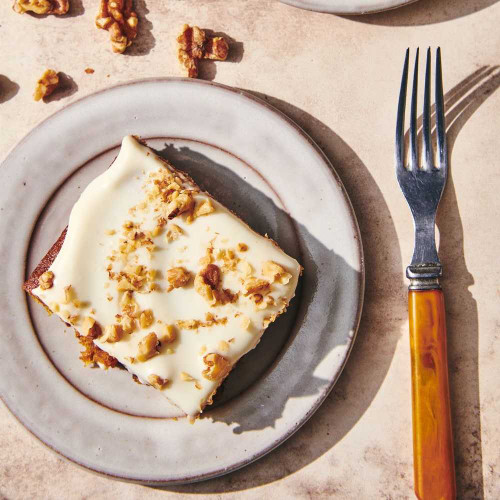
425 12
8 89
145 40
378 333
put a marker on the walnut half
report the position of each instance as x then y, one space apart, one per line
46 84
56 7
194 44
120 20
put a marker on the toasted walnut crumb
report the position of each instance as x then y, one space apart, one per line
74 319
90 328
205 208
130 359
148 347
173 233
203 349
68 295
217 366
128 305
275 272
245 268
194 45
47 83
242 247
46 280
256 285
223 346
89 71
245 322
186 377
110 232
157 382
169 334
182 203
178 277
120 20
112 333
56 7
127 323
211 276
207 258
146 319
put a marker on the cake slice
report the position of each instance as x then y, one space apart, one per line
155 274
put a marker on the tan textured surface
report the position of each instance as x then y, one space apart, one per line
338 78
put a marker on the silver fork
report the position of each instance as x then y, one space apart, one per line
422 187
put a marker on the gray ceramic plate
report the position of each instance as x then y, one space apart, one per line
347 6
268 171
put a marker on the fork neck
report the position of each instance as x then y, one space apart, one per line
424 276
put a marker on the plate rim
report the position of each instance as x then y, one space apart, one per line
360 281
309 5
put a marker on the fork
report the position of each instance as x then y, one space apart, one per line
422 186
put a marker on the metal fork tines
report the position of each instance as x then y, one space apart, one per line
423 184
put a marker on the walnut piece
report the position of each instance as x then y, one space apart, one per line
46 280
182 203
178 277
173 232
112 333
157 382
169 334
120 20
148 347
90 328
56 7
128 305
217 366
193 45
46 84
205 208
242 247
275 272
146 319
256 285
211 276
207 283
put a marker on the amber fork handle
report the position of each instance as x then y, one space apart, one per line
433 461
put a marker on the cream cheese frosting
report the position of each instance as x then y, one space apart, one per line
165 278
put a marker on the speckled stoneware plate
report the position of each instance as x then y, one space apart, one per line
354 7
263 167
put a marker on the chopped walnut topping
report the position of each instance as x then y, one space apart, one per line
211 276
128 305
110 232
182 203
146 319
157 382
217 366
130 359
127 323
245 267
275 272
169 334
56 7
90 328
256 285
46 280
112 333
193 324
242 247
186 377
47 83
203 349
120 20
148 347
229 258
173 232
194 45
205 208
207 258
178 277
69 295
223 346
245 322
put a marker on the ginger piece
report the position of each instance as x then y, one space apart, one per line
194 44
118 18
47 83
56 7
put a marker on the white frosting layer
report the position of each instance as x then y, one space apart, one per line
83 262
